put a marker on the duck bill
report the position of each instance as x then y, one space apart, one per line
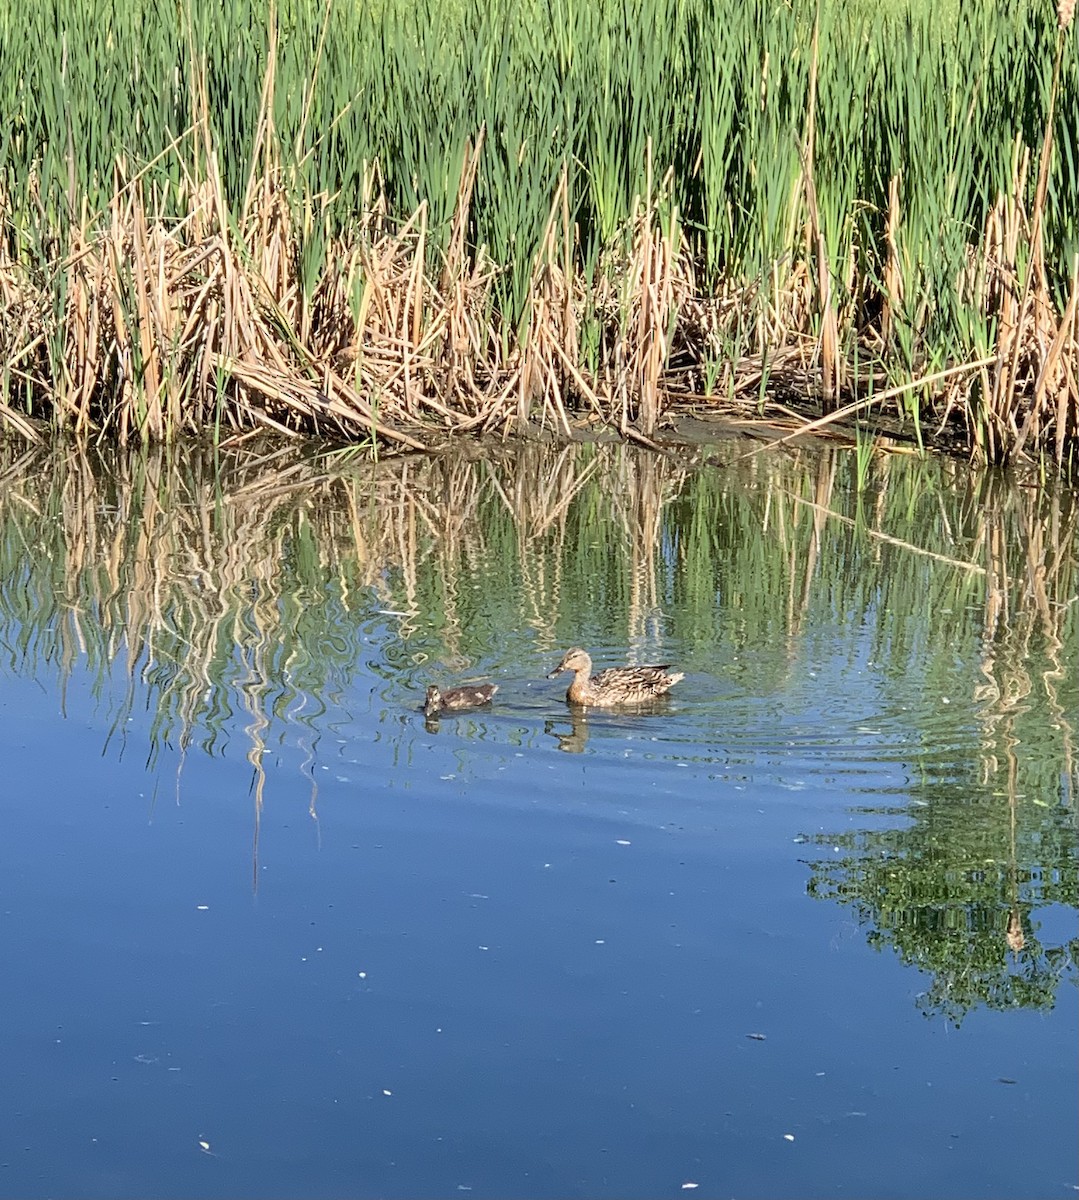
557 671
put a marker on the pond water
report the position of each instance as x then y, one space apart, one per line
808 929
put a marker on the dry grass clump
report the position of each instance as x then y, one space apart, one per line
171 326
197 324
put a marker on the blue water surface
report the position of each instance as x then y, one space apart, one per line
517 953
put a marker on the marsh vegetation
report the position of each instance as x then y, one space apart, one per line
384 222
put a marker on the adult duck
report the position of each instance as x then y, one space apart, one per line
616 685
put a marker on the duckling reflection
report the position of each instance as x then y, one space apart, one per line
573 740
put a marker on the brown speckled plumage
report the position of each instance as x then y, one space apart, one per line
616 685
456 699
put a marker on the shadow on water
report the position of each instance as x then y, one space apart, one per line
924 626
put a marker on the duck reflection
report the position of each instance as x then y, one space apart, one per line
572 739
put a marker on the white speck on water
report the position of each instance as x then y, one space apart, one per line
362 974
689 1184
601 942
485 947
622 842
387 1092
477 896
788 1137
202 907
447 776
945 700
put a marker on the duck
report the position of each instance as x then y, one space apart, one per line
457 699
616 685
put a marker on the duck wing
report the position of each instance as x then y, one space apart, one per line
620 677
469 697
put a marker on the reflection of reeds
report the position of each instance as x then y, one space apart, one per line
231 586
1027 604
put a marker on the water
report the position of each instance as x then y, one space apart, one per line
807 930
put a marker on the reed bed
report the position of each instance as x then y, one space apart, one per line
382 223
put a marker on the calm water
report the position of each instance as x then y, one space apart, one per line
810 930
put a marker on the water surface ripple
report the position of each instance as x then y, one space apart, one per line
805 928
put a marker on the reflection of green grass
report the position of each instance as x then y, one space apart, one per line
243 581
956 893
238 599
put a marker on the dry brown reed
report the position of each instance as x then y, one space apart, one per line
200 323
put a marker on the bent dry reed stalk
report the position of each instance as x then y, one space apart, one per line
380 223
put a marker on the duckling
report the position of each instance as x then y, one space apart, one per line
616 685
456 699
